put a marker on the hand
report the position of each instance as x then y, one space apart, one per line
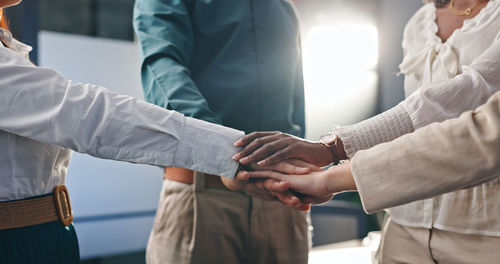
289 198
251 189
318 184
281 190
256 187
268 148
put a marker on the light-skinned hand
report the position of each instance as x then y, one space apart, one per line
319 185
257 187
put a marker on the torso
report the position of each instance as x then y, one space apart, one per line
438 46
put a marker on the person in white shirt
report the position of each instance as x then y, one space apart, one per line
451 65
43 117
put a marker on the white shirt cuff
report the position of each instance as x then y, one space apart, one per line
208 148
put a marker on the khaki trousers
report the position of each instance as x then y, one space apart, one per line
401 244
195 224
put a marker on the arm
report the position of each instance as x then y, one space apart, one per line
436 159
166 38
316 186
432 103
40 104
435 102
442 157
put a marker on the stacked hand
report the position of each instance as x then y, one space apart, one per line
267 148
267 188
277 166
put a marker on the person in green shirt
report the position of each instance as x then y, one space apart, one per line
236 63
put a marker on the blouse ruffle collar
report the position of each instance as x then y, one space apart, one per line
421 62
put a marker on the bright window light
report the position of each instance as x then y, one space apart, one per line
343 47
339 75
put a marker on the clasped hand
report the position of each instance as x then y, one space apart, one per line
277 166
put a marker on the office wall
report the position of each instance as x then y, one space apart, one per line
114 202
391 19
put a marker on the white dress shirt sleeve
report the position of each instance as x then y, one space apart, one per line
434 102
40 104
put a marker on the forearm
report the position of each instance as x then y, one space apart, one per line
339 178
373 131
436 159
40 104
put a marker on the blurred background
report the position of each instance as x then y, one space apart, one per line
351 53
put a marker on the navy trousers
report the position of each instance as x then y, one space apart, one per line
49 243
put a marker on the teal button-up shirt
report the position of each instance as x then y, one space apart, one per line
232 62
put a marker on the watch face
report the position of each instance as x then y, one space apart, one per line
328 138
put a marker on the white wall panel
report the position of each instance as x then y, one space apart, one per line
113 202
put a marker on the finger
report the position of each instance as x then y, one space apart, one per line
266 184
279 156
303 164
232 184
280 186
266 174
252 146
306 199
289 200
243 175
272 145
272 185
282 197
309 199
251 137
288 168
260 184
275 186
292 201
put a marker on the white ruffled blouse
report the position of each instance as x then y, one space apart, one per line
442 80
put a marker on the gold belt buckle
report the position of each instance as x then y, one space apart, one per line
63 205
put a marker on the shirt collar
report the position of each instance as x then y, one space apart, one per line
13 44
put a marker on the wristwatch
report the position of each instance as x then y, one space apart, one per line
331 141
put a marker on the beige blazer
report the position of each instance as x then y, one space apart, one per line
436 159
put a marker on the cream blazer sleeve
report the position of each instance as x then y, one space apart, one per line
439 158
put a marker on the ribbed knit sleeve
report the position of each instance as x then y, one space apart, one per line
381 128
